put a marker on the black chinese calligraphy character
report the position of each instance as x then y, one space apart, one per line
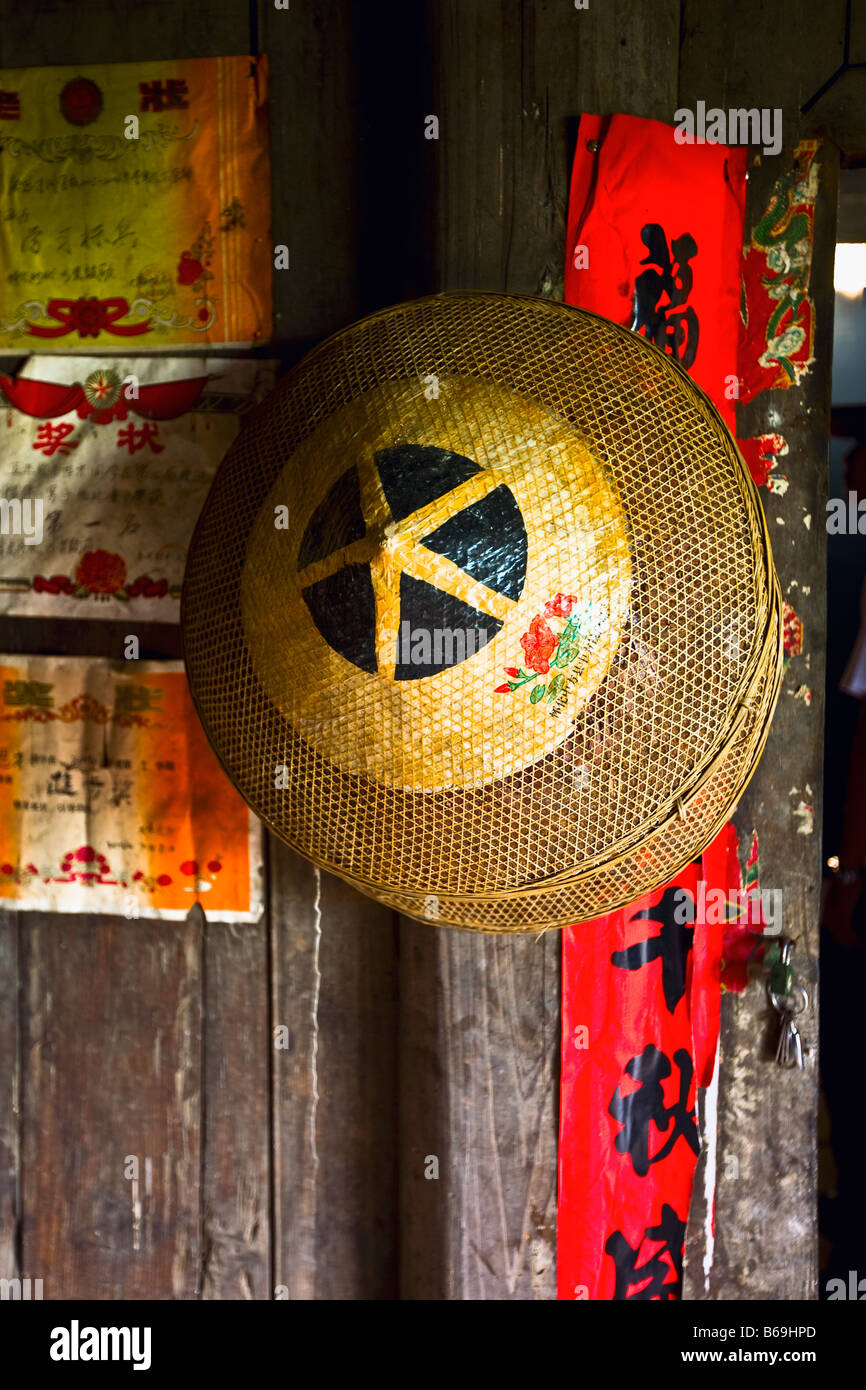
134 699
672 944
164 96
10 106
60 783
28 693
671 1233
121 794
669 324
646 1106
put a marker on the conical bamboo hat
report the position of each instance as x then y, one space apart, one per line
481 615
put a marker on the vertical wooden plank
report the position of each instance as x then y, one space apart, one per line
334 1086
348 180
88 31
111 1071
314 167
10 1081
348 187
767 1116
479 1017
112 1011
505 153
236 1198
765 1241
479 1074
741 55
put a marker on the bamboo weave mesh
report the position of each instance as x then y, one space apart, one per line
650 760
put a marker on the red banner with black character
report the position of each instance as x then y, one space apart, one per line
655 234
654 242
639 1030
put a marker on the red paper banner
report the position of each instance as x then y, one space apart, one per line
640 1020
654 242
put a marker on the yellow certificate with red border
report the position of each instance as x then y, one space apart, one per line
111 800
134 206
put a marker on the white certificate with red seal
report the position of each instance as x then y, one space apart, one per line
104 467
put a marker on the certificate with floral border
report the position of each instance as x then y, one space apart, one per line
111 799
134 206
104 467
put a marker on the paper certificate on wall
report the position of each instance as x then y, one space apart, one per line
104 467
111 799
134 206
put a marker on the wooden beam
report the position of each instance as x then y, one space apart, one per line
479 1017
766 1242
334 988
110 1074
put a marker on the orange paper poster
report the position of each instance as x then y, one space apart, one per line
134 206
110 798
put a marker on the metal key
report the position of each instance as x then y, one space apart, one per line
789 1052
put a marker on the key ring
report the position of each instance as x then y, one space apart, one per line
794 1001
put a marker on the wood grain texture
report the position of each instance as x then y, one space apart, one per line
742 54
334 988
55 32
479 1018
110 1069
512 79
768 1116
116 1057
479 1080
10 1083
314 178
350 180
766 1244
777 55
235 1154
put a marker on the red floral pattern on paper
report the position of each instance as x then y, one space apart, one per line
101 572
761 455
194 272
84 707
189 269
55 584
87 865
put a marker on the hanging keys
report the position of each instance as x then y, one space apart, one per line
789 999
789 1052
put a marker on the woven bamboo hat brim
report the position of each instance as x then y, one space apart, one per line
481 615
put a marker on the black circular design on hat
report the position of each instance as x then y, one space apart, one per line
485 538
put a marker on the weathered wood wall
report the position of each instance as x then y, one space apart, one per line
766 1237
302 1170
